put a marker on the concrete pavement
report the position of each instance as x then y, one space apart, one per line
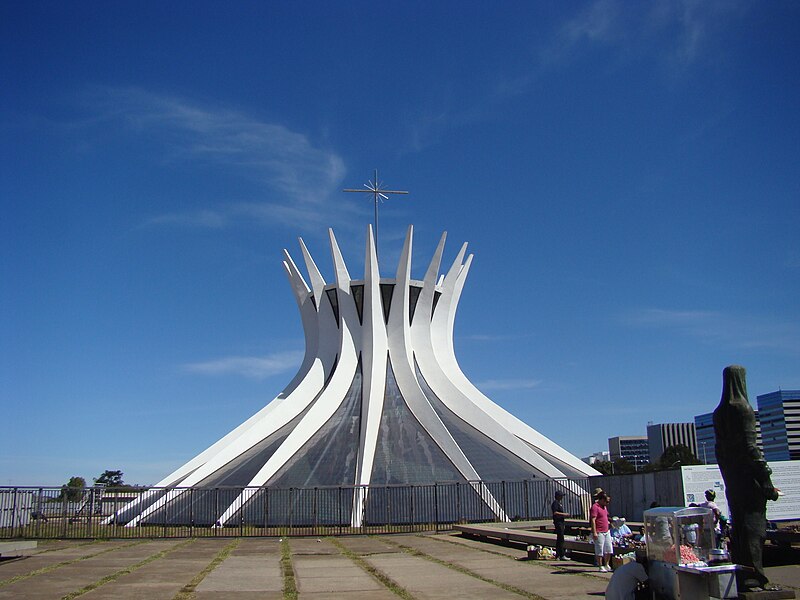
380 567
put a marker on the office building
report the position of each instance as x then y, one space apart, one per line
633 448
779 414
706 440
665 435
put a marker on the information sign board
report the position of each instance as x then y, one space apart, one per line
785 476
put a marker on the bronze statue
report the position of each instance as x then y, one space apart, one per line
748 485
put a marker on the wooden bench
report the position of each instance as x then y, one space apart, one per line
584 528
783 537
536 538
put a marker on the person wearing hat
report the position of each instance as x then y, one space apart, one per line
620 532
559 524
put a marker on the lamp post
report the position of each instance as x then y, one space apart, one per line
705 462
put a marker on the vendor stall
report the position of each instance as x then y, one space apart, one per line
683 559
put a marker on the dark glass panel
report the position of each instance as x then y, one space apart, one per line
413 296
330 456
199 506
387 290
357 292
492 461
334 301
436 296
405 452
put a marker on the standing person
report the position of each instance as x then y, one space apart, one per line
598 517
748 484
711 495
559 523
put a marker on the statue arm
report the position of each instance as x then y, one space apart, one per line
762 474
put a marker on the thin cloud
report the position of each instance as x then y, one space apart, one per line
508 384
661 317
204 219
675 34
678 31
253 367
489 337
598 22
741 331
285 163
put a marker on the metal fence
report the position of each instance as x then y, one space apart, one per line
52 512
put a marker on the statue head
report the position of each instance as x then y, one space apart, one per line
734 384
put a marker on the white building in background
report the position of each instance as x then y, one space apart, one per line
379 400
597 457
665 435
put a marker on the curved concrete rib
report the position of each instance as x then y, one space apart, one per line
308 317
311 371
401 358
336 340
284 408
331 397
440 381
443 349
375 351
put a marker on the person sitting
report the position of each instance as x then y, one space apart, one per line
620 532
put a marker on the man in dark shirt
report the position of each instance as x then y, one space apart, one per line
558 522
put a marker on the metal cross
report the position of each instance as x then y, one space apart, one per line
375 188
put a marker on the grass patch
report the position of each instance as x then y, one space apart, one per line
187 591
463 570
289 583
78 545
121 572
376 573
487 550
535 563
64 528
49 568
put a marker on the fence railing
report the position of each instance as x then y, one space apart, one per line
94 512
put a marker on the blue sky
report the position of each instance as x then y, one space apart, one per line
626 174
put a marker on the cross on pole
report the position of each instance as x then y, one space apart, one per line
375 188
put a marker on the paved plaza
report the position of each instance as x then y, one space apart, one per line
405 566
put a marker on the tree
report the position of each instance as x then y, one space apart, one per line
677 455
606 467
622 465
110 479
73 489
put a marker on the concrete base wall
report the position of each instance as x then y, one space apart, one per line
633 493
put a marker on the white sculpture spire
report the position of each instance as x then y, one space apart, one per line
379 399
